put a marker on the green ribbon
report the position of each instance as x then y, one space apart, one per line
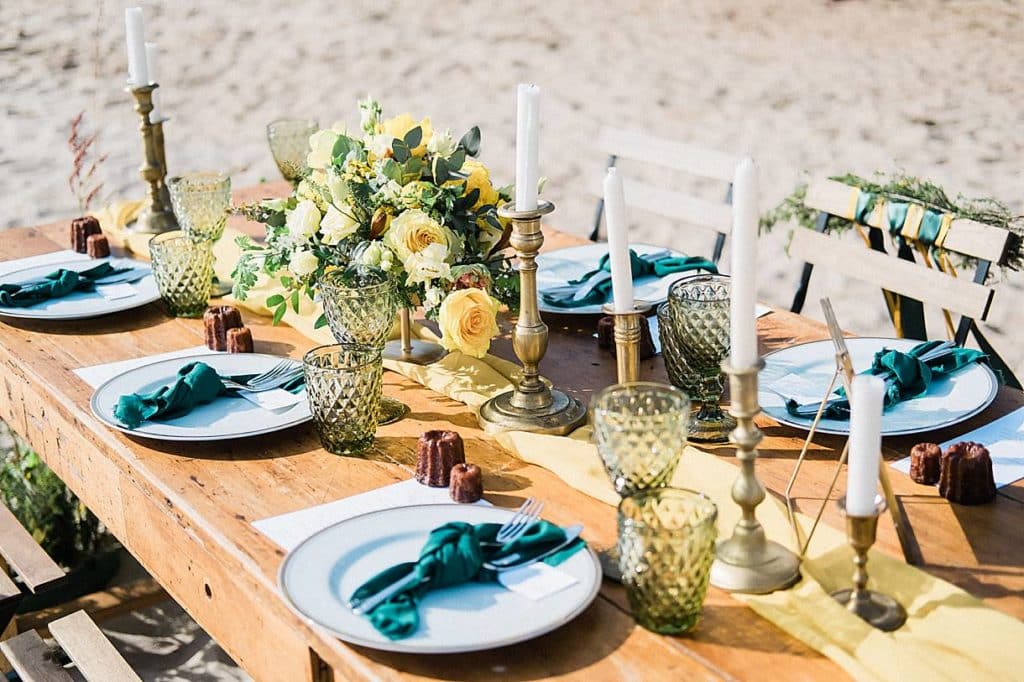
453 555
910 377
565 297
896 216
197 384
57 284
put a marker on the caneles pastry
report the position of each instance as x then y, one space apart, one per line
925 463
239 340
217 320
436 453
81 229
966 476
606 336
467 483
97 246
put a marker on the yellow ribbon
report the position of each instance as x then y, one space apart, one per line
912 223
851 203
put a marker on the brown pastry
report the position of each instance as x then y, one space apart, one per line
217 320
606 336
467 484
81 228
97 246
239 340
966 476
436 453
925 463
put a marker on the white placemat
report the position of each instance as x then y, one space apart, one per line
95 375
42 259
1004 439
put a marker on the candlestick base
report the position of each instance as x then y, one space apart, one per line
561 415
154 222
880 610
418 352
753 567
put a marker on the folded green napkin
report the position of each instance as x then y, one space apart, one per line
905 374
55 285
197 384
597 284
453 555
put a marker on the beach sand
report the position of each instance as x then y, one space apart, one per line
928 87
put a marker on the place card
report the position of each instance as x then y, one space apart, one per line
536 581
1004 439
114 292
799 388
274 399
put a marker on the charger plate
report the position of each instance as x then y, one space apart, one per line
319 575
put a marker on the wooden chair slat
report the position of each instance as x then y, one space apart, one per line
967 237
705 163
32 659
21 552
8 590
675 205
903 277
90 650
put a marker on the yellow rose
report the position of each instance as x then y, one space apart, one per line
468 321
413 231
479 178
397 127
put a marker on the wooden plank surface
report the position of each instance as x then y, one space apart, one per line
32 659
185 511
92 653
25 556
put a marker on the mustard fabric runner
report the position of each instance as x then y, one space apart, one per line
949 635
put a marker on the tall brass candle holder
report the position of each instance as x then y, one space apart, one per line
157 216
627 339
532 405
880 610
748 561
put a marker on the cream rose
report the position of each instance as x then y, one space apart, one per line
337 225
321 145
303 221
303 262
413 231
468 321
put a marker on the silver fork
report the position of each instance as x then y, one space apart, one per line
511 530
278 375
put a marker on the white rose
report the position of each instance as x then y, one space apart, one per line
303 262
337 225
303 221
442 144
427 265
321 145
379 145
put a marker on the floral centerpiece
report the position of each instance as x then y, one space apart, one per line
402 197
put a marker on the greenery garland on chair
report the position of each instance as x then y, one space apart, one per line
905 188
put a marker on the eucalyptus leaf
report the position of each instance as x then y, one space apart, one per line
392 170
457 158
441 170
414 137
471 141
400 151
342 147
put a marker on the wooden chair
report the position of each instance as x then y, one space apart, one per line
674 156
906 285
79 639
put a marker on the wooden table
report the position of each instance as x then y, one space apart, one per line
185 511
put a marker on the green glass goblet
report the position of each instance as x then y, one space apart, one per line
360 304
699 311
202 201
289 143
666 548
343 386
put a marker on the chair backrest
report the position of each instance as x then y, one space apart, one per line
38 572
675 156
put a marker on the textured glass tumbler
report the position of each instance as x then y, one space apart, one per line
289 143
699 310
201 203
640 430
343 386
183 269
365 315
666 548
680 374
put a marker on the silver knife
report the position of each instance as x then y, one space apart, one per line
515 560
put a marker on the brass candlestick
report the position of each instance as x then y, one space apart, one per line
408 349
532 405
748 561
880 610
627 340
157 216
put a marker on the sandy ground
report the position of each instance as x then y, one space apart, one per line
929 87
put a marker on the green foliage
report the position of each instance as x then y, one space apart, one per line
471 141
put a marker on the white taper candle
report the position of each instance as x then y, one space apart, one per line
618 242
865 444
527 146
137 74
743 290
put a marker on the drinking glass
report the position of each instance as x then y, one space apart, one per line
183 269
699 310
360 305
680 374
289 143
201 202
666 548
640 431
343 386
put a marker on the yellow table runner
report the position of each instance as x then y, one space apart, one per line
949 635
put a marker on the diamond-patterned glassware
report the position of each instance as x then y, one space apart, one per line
666 548
679 371
343 386
640 430
699 310
289 143
183 269
201 203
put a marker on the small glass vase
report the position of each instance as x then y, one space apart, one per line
698 308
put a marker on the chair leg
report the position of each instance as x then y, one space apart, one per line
805 275
716 255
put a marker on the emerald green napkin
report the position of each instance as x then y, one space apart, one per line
197 384
55 285
906 377
595 287
453 555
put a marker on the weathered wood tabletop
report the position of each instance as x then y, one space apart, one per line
185 510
